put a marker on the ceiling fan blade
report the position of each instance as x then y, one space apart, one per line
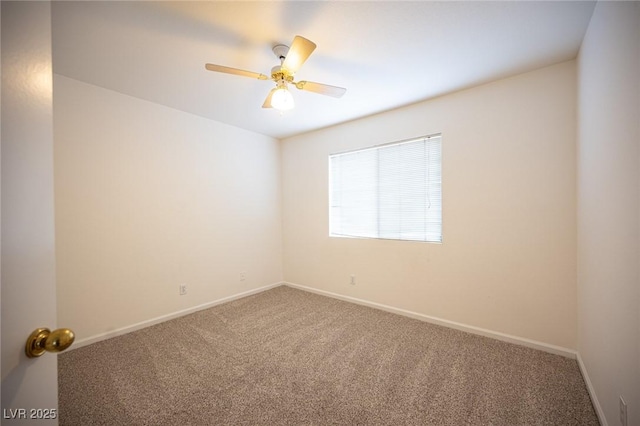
299 52
236 71
323 89
267 102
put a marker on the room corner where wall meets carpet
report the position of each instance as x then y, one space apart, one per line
286 356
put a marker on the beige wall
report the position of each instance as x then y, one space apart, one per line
609 207
148 198
508 260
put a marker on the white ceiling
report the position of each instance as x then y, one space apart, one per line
387 54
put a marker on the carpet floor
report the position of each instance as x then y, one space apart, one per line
289 357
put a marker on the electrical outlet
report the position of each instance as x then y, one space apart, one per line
183 289
623 412
243 275
353 280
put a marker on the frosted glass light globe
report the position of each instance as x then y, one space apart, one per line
282 100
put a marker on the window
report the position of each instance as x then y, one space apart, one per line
391 191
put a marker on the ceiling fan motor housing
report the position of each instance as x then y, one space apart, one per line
279 74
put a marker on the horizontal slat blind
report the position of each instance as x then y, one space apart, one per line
391 191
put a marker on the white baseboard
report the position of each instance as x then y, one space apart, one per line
433 320
130 328
558 350
592 392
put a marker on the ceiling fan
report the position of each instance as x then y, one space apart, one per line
291 59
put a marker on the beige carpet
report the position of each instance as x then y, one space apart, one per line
290 357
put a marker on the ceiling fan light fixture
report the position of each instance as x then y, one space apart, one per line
282 100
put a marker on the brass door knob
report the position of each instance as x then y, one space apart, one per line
44 340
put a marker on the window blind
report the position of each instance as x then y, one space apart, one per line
391 191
